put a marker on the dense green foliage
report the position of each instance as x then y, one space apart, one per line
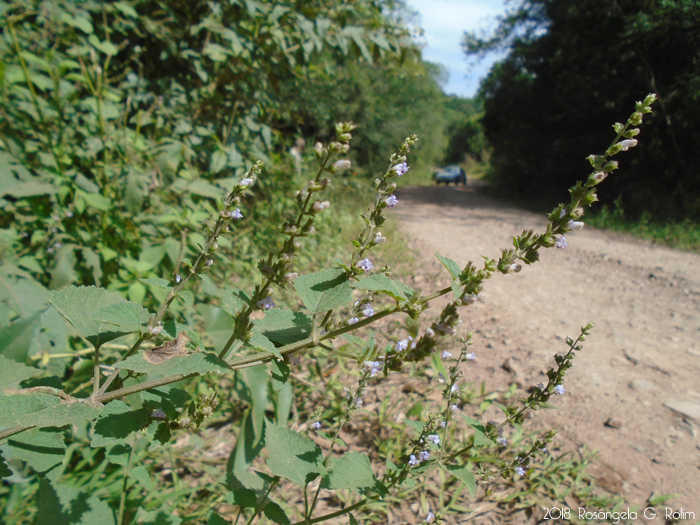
574 65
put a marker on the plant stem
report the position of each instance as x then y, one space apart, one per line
122 499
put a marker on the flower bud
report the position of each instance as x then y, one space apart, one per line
515 267
345 137
246 182
576 213
627 144
599 177
320 206
291 276
378 239
318 148
345 148
341 164
574 225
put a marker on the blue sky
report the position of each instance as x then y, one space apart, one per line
444 22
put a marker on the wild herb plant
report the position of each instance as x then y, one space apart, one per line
137 399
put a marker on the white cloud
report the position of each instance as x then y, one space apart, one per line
444 22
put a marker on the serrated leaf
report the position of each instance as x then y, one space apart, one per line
351 471
274 513
63 505
280 374
215 519
195 363
261 342
232 303
480 439
115 427
218 161
42 410
118 454
157 283
187 297
383 284
97 314
41 449
161 436
284 326
12 373
456 289
141 475
324 290
465 475
451 266
292 456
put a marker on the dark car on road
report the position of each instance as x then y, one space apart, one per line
449 174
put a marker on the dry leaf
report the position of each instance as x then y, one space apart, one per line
169 350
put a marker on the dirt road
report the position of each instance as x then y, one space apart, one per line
640 368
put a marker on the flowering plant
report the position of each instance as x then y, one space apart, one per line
137 407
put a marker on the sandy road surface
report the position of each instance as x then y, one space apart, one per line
642 358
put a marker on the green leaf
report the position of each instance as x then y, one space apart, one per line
218 161
261 342
383 284
42 449
157 283
283 403
195 363
42 410
292 456
106 47
97 314
5 471
255 379
64 268
351 471
247 448
113 428
324 290
63 505
118 454
12 373
280 374
284 326
415 425
156 517
141 475
232 303
451 266
205 189
187 297
480 439
465 475
215 519
161 436
97 201
274 513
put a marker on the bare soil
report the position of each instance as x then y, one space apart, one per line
634 391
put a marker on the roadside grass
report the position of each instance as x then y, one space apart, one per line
683 235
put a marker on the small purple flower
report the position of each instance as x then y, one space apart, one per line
391 201
627 144
540 387
235 214
379 239
520 471
424 455
209 263
446 355
430 332
454 408
316 425
560 242
178 279
353 320
368 311
341 164
266 304
434 438
559 390
320 206
402 345
374 367
574 225
366 265
158 413
246 182
412 461
443 424
502 441
453 389
543 450
471 356
401 169
430 517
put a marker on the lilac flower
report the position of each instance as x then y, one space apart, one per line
627 144
443 424
543 450
266 304
178 279
559 390
358 403
502 441
453 389
471 356
235 214
320 206
316 425
246 182
158 412
470 298
209 263
341 164
446 329
402 345
446 355
454 408
368 311
515 268
441 377
391 201
378 239
434 438
374 367
541 387
560 242
520 471
574 225
424 455
401 169
366 265
353 320
412 461
430 332
289 277
430 517
155 330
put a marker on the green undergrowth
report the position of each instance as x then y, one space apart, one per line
683 235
